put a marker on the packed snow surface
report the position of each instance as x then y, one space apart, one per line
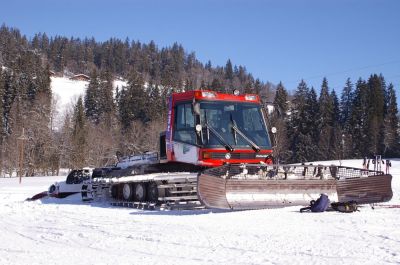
68 231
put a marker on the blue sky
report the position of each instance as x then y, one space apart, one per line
276 40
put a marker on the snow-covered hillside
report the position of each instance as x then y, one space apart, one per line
67 92
67 231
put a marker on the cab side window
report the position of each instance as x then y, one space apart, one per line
184 124
75 177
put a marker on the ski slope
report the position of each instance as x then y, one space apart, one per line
67 231
66 92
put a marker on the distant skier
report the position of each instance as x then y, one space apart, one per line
388 165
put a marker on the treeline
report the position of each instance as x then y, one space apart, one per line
170 67
363 122
105 122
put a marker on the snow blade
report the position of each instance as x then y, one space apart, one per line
271 186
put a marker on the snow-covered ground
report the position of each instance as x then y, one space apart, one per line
67 231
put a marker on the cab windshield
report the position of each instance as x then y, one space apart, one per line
222 116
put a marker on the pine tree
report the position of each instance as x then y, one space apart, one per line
92 99
9 152
10 92
346 101
359 120
1 106
43 81
279 121
302 145
106 98
2 131
325 105
208 65
154 104
301 94
258 86
312 121
325 122
216 85
376 108
40 147
336 133
79 136
281 100
228 70
391 125
385 92
167 69
132 101
346 105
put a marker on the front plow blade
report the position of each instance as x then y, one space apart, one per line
271 186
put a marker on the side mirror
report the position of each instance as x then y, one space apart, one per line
198 128
274 131
199 133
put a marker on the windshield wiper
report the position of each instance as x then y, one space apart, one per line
227 146
236 129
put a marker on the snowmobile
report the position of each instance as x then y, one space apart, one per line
216 152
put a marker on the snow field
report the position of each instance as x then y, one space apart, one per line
68 231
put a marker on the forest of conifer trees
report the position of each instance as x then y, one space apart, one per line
362 121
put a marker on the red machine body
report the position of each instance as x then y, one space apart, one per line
209 129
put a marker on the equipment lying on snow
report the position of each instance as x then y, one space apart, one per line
319 205
345 207
226 139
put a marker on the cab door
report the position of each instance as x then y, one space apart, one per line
185 147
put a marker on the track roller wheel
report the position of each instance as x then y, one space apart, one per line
127 191
139 192
114 191
152 192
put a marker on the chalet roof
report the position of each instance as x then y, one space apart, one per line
80 77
